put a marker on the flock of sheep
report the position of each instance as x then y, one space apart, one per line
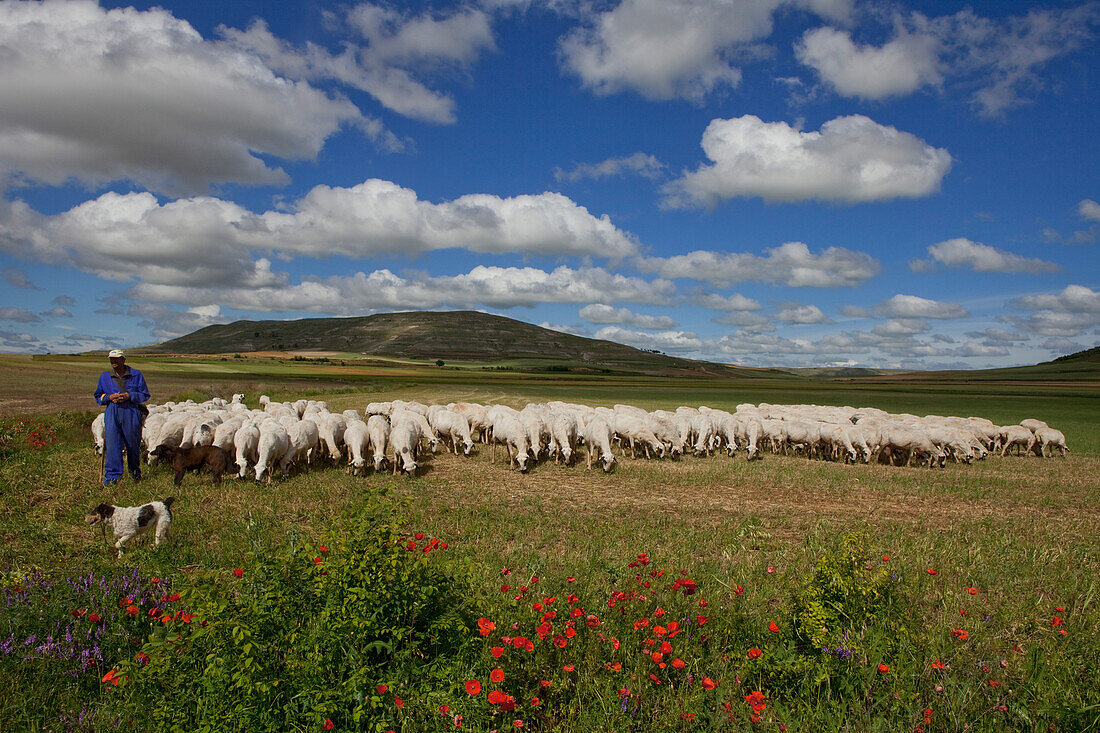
390 435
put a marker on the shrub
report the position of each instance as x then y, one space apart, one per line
299 635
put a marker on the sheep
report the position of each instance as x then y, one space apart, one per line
508 429
597 437
1015 435
357 439
378 429
1033 425
425 429
304 439
273 445
99 434
331 430
1054 439
404 438
452 428
564 428
246 443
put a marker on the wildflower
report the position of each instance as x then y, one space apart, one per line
176 596
772 627
883 669
771 571
708 683
1056 621
756 701
930 571
94 617
687 716
560 642
567 668
657 657
497 651
238 572
641 623
702 619
1059 609
928 716
938 664
972 591
517 723
473 687
323 548
994 683
545 683
444 709
570 579
678 663
886 558
142 657
485 626
615 667
535 702
665 647
496 697
739 589
132 610
398 702
497 675
317 561
961 634
591 621
328 724
112 677
458 721
419 536
381 689
755 653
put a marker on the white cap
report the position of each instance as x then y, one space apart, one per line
116 354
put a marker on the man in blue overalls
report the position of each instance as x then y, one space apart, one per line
123 390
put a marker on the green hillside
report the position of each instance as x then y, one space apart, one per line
458 336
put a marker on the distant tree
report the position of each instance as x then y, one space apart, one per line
439 362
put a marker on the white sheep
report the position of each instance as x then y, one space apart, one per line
597 437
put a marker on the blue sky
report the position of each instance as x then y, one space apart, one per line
762 182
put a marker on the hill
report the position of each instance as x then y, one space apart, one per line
454 336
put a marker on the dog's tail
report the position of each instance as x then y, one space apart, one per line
168 504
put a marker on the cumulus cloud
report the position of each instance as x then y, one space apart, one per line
1089 209
17 279
850 160
102 95
18 315
574 330
20 343
1068 314
664 49
496 287
64 301
1072 299
790 264
961 252
795 312
640 164
901 327
912 306
57 312
676 341
165 322
998 336
599 313
746 321
900 66
391 49
209 241
735 302
854 311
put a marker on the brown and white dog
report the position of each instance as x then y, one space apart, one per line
129 521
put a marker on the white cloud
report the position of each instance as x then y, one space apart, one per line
1062 345
854 311
901 66
998 336
746 321
1068 314
912 306
1089 209
678 341
103 95
57 312
496 287
574 330
735 302
1000 58
18 315
1072 299
961 252
600 314
20 343
397 44
664 49
850 160
64 301
791 264
168 323
208 241
794 312
640 164
901 327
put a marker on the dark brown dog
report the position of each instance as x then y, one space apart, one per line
192 459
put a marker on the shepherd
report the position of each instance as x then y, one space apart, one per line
123 390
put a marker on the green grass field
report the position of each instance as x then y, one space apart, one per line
1023 532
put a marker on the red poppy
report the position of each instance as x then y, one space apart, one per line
399 702
497 675
930 571
94 617
419 535
238 572
517 723
755 653
702 603
883 669
1059 609
938 665
702 619
592 621
655 678
687 716
641 623
666 647
772 627
176 596
328 724
994 683
961 634
132 610
473 687
323 548
972 591
615 667
497 651
496 697
567 668
886 558
485 626
570 579
187 617
154 581
739 589
381 689
570 632
1056 621
535 702
708 683
660 630
112 677
78 612
657 657
560 642
317 561
678 663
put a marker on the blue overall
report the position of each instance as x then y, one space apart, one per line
122 424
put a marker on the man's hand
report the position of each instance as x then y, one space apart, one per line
119 397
